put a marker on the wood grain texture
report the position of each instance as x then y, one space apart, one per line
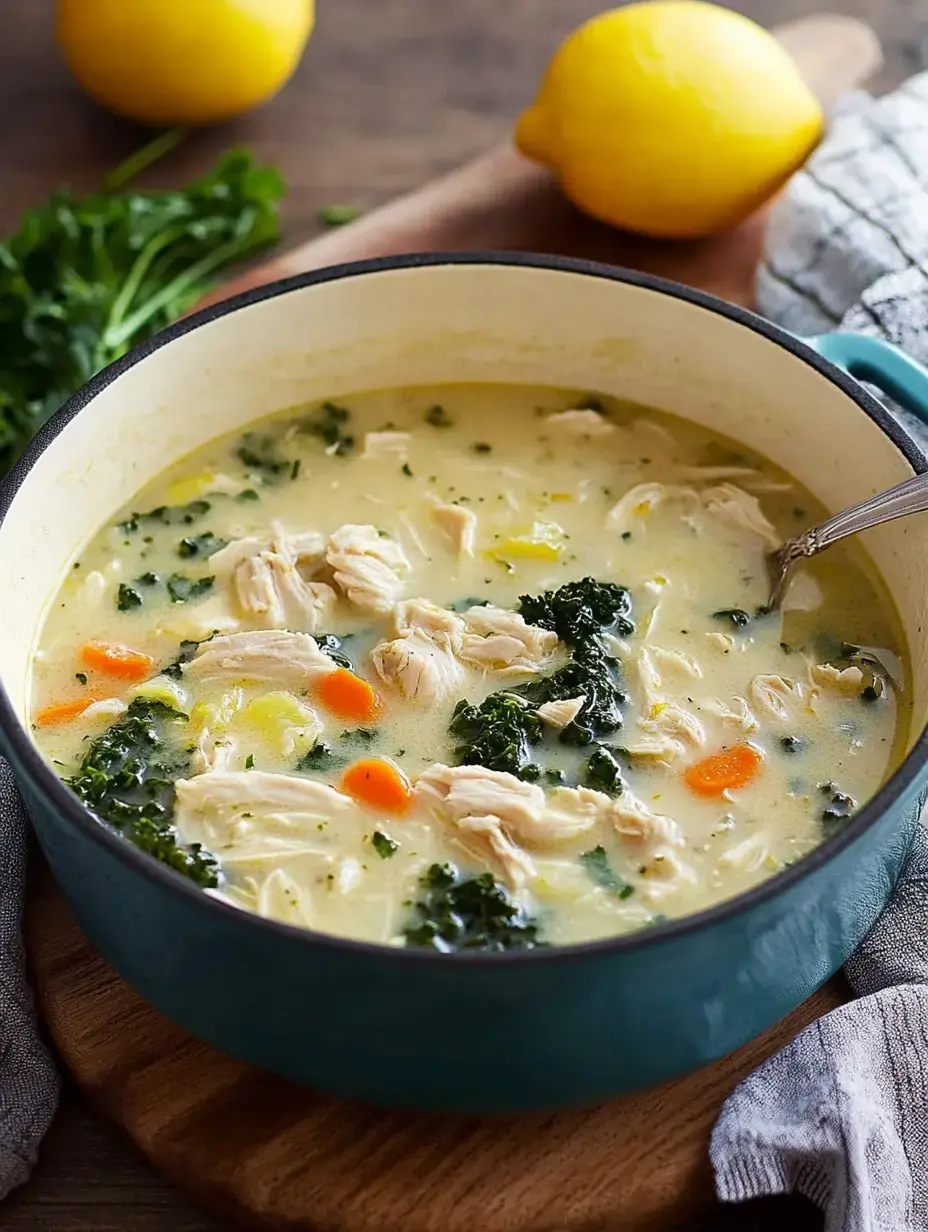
388 98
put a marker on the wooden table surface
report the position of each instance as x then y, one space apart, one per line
388 96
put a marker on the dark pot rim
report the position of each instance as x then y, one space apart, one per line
27 759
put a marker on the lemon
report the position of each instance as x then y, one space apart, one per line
671 118
183 61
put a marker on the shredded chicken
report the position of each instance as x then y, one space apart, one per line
419 666
497 638
108 708
281 898
560 714
386 444
725 502
775 696
459 524
368 567
671 722
739 715
485 838
429 618
583 422
747 855
269 585
739 509
847 681
273 656
251 812
645 497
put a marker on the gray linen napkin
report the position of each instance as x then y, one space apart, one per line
841 1114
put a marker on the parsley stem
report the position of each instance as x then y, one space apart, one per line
130 167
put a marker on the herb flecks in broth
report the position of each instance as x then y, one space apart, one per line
415 626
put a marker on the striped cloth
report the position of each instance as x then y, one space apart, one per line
841 1114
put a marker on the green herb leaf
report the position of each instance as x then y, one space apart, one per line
127 598
468 914
384 845
200 545
183 589
438 417
735 615
596 863
326 424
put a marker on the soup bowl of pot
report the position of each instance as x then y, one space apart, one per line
468 1031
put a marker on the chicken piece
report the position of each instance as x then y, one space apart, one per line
498 638
665 866
656 746
656 665
420 667
386 444
369 568
775 696
560 714
108 709
280 898
250 812
485 839
724 643
740 509
430 619
270 656
739 715
268 584
630 817
459 524
844 682
748 855
579 422
644 498
675 723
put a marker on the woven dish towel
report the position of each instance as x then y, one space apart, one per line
841 1114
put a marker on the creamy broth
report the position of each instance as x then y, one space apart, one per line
391 523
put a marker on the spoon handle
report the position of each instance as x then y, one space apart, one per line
911 496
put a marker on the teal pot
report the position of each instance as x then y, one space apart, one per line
471 1032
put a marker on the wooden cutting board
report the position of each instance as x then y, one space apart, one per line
269 1155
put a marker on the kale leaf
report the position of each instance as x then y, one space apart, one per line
186 651
200 545
326 424
166 515
838 811
596 863
127 778
603 771
497 734
475 913
86 278
580 610
183 589
329 644
260 453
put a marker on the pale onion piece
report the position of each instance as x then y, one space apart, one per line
496 637
214 748
460 526
580 423
106 710
845 682
739 715
561 713
368 567
281 898
740 509
644 498
421 667
163 689
803 593
251 810
485 839
386 444
272 656
748 855
285 722
92 589
775 697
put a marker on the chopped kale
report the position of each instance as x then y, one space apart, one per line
554 776
475 913
874 673
580 610
326 424
497 734
329 644
838 811
792 744
200 545
148 579
592 674
461 605
186 651
127 598
384 845
247 494
80 677
250 762
603 772
127 778
166 515
736 615
597 864
482 447
260 453
320 757
183 589
438 417
407 470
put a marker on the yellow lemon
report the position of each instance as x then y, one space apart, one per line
183 61
671 117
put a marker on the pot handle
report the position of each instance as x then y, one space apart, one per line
878 363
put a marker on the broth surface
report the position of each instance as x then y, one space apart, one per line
745 740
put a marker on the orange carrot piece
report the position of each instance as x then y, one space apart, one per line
348 696
117 660
734 767
63 712
378 784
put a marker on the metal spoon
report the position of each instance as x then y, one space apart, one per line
905 498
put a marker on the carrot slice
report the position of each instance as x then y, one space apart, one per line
348 696
378 784
63 712
734 767
117 660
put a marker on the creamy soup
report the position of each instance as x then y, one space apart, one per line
469 667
